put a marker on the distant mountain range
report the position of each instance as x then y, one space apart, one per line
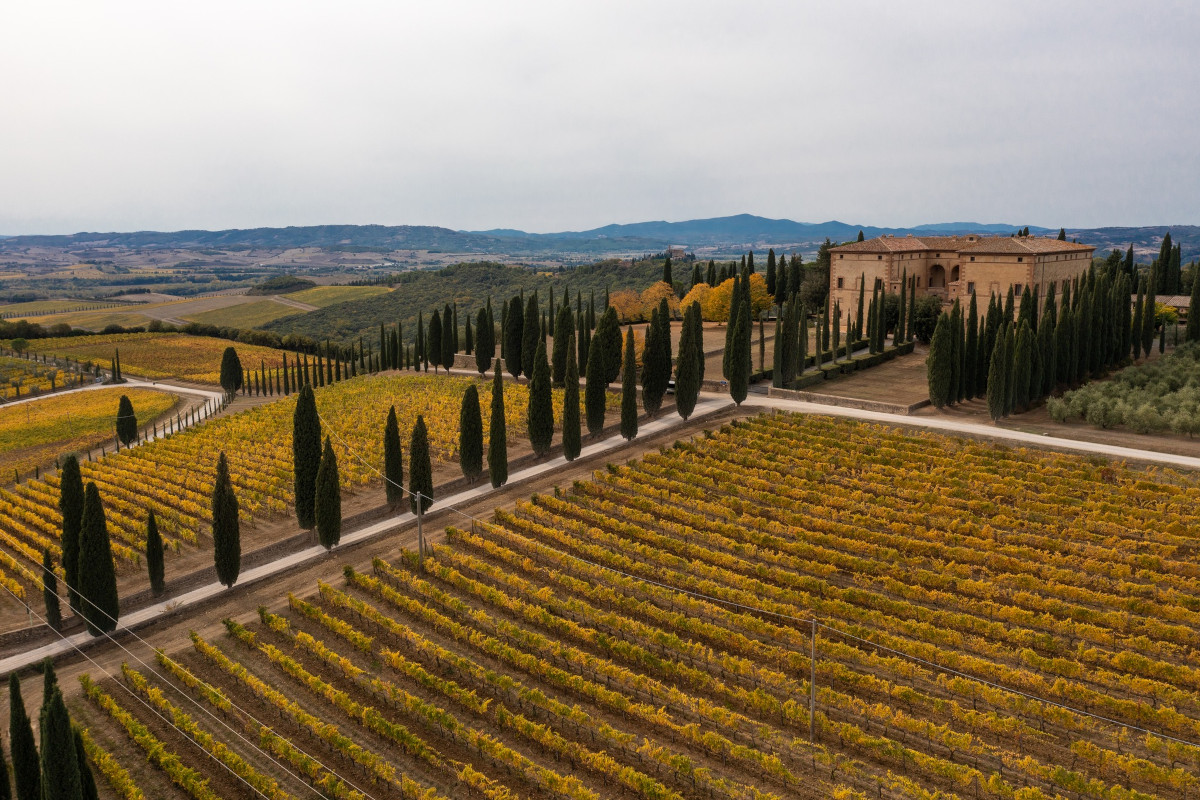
719 234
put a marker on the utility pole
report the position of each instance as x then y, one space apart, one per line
420 532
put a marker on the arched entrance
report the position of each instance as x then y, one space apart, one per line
937 277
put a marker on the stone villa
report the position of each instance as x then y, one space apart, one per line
952 267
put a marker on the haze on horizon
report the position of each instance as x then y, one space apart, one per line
563 116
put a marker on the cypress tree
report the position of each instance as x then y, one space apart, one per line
1136 326
513 336
998 371
70 502
1149 313
433 349
497 435
667 279
453 333
898 336
1008 305
911 317
572 443
1010 382
609 333
50 592
485 342
735 303
60 766
656 360
687 377
697 279
629 420
739 363
470 435
126 421
154 555
306 456
530 336
449 336
562 324
956 347
1023 366
970 350
1048 358
595 390
772 280
541 403
1064 337
226 530
97 575
86 780
393 460
27 769
328 507
1193 318
420 470
710 275
419 345
117 376
939 366
468 335
287 384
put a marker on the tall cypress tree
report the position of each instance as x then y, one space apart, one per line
328 509
50 592
470 435
393 460
739 363
420 470
513 335
735 304
126 421
226 529
70 502
97 575
687 377
485 342
469 336
571 435
998 370
772 279
60 767
433 347
1023 366
609 333
667 278
449 336
1048 358
531 335
656 360
629 420
86 780
27 769
154 555
541 404
939 366
1193 319
1149 310
306 455
970 350
595 390
563 323
497 435
956 347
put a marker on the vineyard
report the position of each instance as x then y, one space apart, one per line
32 434
174 476
1010 624
159 356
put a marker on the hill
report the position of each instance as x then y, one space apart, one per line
468 285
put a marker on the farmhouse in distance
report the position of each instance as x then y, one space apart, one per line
954 267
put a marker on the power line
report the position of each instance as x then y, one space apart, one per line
153 670
813 620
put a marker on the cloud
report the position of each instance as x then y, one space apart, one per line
550 116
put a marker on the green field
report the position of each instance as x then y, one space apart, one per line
244 315
322 296
39 307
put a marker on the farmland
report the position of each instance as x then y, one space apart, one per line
243 315
32 434
322 296
159 356
174 476
647 633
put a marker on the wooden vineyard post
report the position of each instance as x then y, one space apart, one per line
812 685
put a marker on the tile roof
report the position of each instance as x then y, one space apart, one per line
981 244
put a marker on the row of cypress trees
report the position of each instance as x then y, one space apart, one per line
59 770
86 555
1015 360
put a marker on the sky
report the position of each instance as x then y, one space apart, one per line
549 116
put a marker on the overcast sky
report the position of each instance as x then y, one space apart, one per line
566 115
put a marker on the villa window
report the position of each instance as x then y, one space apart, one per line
1020 259
970 287
1017 289
972 258
841 281
879 257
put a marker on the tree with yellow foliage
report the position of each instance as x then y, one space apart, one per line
714 304
655 293
628 305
